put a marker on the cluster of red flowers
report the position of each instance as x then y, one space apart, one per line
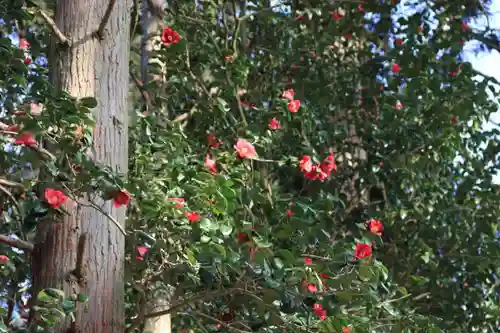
319 171
293 104
319 311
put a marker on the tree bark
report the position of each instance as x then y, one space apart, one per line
98 68
161 324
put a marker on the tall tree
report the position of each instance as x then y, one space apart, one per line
84 253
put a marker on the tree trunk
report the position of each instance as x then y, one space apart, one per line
97 68
160 324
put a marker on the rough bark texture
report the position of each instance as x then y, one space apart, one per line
161 324
98 68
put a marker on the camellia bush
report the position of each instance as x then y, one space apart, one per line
292 168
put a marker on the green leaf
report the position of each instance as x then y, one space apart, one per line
208 225
44 297
88 102
345 295
68 306
226 230
270 296
221 249
365 273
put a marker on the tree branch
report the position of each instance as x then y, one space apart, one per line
17 243
53 27
183 303
100 30
9 183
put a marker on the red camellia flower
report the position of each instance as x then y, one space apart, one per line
179 202
242 238
399 106
454 120
27 139
453 73
213 142
27 61
169 36
308 261
305 164
288 94
294 106
312 287
398 41
274 124
360 8
346 329
376 227
328 165
362 251
465 27
55 198
319 311
3 259
121 198
289 212
245 149
396 68
193 217
23 43
210 163
141 250
316 173
336 16
320 171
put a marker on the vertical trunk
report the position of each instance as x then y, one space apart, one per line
160 324
98 68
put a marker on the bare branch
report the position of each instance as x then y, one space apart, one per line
9 183
183 303
14 201
17 243
55 30
100 30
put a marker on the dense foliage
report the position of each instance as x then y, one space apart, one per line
292 167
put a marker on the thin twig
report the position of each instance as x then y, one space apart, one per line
222 323
185 115
17 243
99 209
55 30
183 303
10 183
14 201
100 30
111 218
144 93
